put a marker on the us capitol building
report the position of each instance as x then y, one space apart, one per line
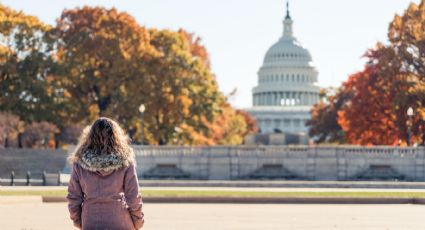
286 88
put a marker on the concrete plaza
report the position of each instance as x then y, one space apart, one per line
29 213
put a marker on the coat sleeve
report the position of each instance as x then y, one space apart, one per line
133 198
75 197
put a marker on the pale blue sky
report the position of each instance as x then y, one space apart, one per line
237 33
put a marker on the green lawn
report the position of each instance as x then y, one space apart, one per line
215 193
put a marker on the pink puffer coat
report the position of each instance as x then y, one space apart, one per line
103 193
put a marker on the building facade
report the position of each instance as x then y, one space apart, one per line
286 88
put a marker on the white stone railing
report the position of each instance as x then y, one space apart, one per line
312 163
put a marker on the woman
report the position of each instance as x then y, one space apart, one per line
103 191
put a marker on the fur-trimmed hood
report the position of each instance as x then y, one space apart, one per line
102 163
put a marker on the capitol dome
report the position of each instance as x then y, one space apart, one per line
286 89
287 50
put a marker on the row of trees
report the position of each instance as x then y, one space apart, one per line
15 132
100 62
370 107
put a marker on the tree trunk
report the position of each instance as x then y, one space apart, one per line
57 140
20 140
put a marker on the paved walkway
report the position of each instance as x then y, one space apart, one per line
246 189
284 184
258 183
29 213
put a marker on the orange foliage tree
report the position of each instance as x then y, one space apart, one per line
109 65
40 134
184 105
101 62
391 82
368 118
101 54
407 40
323 124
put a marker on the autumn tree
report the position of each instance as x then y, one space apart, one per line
250 121
40 134
407 40
183 94
101 54
369 106
24 66
101 62
110 65
231 125
368 116
391 82
323 124
10 128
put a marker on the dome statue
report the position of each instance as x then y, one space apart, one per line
286 89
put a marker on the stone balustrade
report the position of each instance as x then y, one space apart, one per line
282 162
341 163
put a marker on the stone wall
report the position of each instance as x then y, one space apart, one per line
281 162
34 160
244 162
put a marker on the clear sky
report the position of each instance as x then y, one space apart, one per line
237 33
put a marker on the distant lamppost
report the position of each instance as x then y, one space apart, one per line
409 124
142 109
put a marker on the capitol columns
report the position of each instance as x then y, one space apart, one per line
304 98
308 98
310 101
297 98
287 98
260 99
263 98
300 98
277 98
268 96
271 98
282 97
267 99
312 98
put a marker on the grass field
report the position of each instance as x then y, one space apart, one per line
217 193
